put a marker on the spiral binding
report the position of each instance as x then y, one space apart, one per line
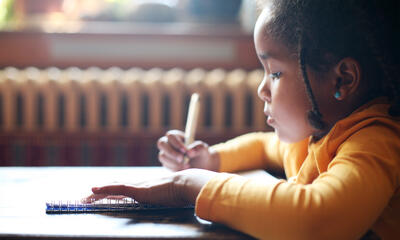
104 205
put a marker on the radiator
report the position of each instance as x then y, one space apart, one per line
114 117
134 100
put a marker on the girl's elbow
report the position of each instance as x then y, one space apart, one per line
318 227
309 227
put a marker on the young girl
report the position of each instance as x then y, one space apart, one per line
332 94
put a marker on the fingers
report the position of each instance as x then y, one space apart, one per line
168 151
114 190
172 163
172 150
197 148
177 133
93 198
111 192
169 163
175 139
162 191
141 192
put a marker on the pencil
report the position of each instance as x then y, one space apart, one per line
191 122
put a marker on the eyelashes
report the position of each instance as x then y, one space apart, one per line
275 76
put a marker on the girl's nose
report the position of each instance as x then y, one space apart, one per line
263 90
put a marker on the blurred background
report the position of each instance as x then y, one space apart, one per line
126 33
97 82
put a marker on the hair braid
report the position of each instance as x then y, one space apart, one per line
314 115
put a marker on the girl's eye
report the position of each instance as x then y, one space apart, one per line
275 76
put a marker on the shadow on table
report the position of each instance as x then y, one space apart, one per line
179 216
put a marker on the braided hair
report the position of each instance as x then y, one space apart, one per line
322 33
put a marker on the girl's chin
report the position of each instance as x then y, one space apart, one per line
288 138
270 121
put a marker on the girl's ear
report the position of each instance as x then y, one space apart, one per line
348 76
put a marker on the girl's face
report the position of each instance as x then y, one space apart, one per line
282 88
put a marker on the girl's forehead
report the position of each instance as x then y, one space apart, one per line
266 45
265 42
272 50
264 18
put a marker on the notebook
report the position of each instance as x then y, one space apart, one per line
104 205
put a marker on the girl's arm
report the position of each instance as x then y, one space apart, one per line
249 151
261 150
343 202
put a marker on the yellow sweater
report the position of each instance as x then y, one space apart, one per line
338 188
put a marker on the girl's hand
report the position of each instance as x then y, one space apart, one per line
178 189
173 150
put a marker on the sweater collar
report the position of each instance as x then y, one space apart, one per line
324 150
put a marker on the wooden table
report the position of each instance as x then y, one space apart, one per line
24 191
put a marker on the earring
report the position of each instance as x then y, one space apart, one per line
337 94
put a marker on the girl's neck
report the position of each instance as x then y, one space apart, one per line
318 135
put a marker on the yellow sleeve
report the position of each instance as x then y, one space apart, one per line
251 151
341 203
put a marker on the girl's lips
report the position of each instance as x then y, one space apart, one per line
270 120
